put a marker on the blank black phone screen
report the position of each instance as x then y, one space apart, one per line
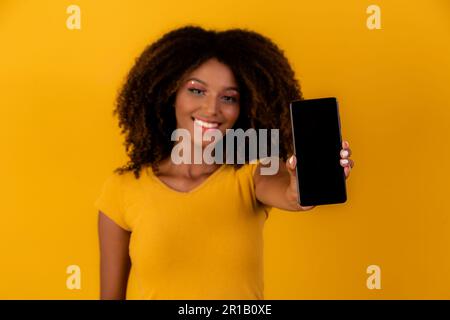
316 131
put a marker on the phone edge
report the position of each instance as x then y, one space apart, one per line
295 152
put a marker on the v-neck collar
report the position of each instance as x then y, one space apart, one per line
152 176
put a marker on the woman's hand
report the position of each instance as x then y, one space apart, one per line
345 161
291 191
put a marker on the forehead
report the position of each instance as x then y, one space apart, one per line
213 73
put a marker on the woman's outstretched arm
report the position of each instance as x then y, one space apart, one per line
278 190
114 259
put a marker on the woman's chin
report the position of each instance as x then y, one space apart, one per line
204 144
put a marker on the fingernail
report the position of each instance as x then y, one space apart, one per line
344 153
344 161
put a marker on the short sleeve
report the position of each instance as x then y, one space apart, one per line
252 169
110 200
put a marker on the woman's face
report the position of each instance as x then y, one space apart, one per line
207 98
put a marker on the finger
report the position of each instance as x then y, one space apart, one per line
305 208
345 144
345 153
291 162
347 171
347 163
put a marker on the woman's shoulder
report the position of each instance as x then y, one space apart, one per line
247 170
123 178
251 166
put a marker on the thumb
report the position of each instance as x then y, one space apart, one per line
291 163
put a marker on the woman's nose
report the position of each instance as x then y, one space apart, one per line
211 106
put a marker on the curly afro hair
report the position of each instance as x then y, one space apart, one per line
266 82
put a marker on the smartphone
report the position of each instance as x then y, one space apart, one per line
316 132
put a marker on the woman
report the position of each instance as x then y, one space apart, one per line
194 231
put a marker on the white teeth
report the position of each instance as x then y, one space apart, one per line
206 124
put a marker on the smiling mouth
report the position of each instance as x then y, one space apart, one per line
205 124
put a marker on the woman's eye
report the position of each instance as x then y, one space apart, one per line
228 99
195 91
231 99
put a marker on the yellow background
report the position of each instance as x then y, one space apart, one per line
59 140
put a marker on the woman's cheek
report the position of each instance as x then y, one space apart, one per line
232 114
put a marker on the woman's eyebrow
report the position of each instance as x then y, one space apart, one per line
201 81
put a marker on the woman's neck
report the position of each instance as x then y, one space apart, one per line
187 170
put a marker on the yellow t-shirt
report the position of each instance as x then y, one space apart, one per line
203 244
